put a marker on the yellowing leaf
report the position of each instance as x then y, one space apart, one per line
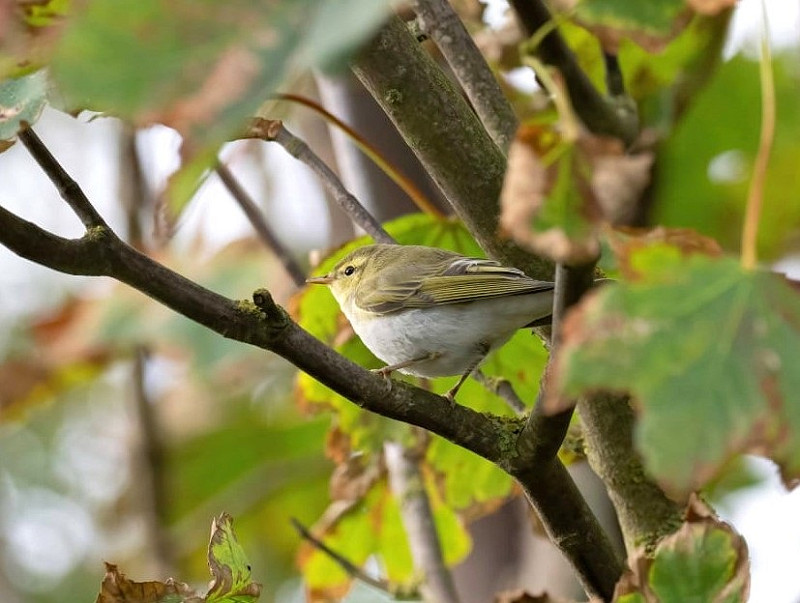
228 564
650 24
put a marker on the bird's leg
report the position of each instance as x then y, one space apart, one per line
387 370
451 394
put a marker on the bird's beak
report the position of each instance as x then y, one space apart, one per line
320 280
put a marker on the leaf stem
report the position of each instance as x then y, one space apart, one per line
399 178
755 196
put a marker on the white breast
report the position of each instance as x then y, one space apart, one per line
457 334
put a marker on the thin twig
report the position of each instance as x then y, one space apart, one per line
131 186
755 196
259 224
348 566
438 19
615 83
408 487
611 116
370 150
276 131
66 186
502 388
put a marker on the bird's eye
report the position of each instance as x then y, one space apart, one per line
349 270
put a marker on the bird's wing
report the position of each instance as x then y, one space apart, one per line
463 280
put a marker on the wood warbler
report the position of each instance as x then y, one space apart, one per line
430 312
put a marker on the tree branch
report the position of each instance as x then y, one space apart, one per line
445 134
502 388
614 116
408 488
438 19
645 513
266 325
66 186
567 519
275 131
256 218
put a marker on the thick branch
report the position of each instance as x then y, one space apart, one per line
645 513
270 329
571 526
438 19
445 134
73 256
610 116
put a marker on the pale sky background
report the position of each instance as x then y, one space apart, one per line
54 534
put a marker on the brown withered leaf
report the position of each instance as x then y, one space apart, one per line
116 588
547 206
705 560
618 178
626 241
557 193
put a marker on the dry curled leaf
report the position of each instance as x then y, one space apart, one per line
117 588
557 193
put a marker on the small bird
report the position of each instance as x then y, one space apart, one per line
430 312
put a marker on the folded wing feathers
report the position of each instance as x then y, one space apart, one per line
464 280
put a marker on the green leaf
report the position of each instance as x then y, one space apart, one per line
650 24
713 150
374 527
705 560
46 12
709 352
202 67
21 100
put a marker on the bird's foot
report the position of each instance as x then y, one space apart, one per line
384 371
